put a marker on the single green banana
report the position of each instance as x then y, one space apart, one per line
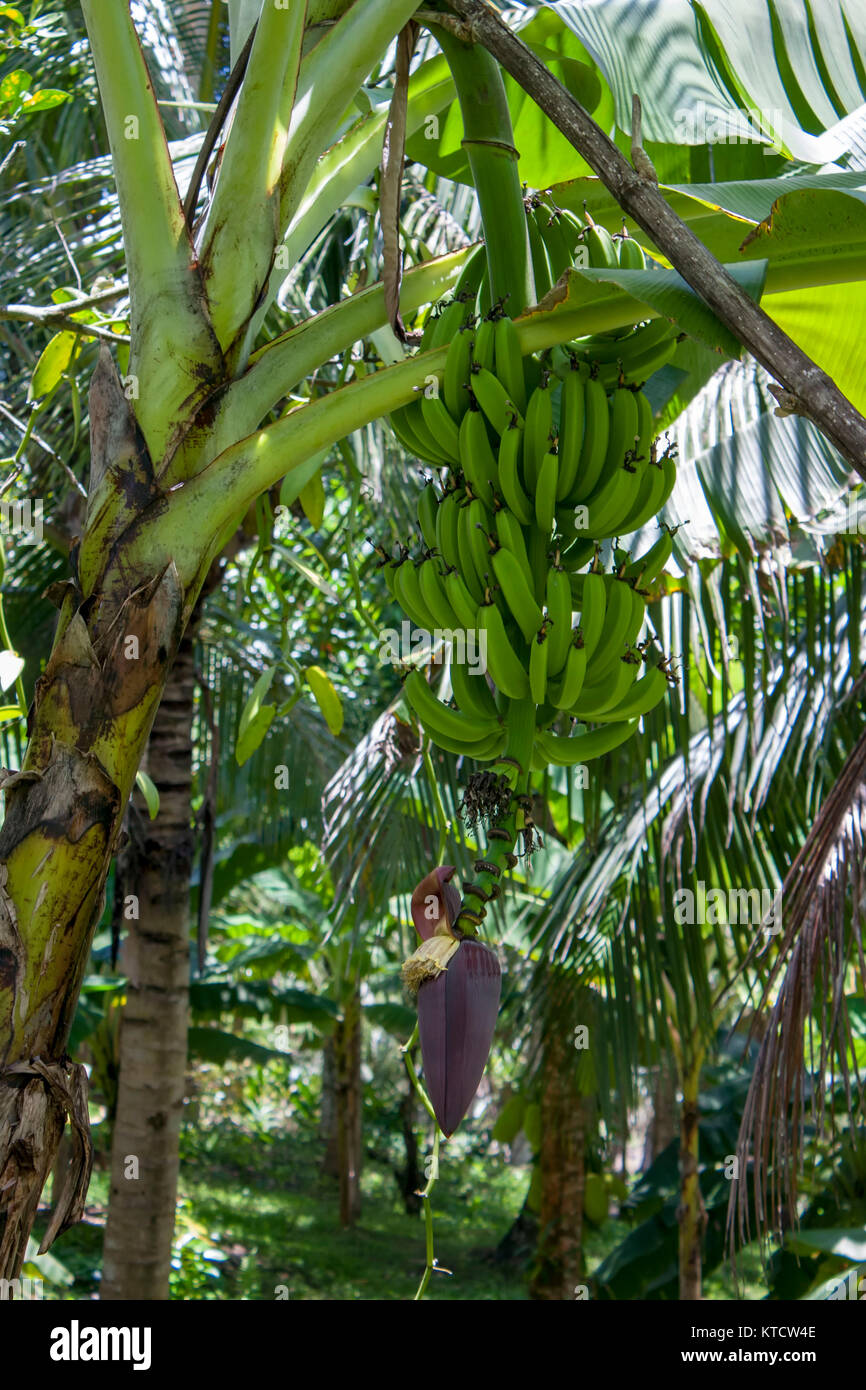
454 724
508 471
483 352
545 492
539 561
466 289
619 620
640 698
610 506
465 542
510 534
594 699
571 425
558 598
477 459
429 328
472 693
593 450
389 572
517 592
509 361
541 268
564 692
434 595
576 555
537 433
481 539
508 672
440 424
593 612
538 658
484 302
631 253
601 248
624 420
656 487
645 429
449 321
428 507
460 598
565 751
645 569
407 591
560 254
494 400
447 521
485 750
455 379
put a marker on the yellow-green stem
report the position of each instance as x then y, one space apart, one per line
489 145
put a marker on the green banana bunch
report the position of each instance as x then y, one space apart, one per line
534 471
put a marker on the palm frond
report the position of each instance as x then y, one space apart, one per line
823 895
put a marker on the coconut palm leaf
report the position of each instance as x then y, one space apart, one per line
822 945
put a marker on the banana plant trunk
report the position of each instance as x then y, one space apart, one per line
559 1255
90 720
153 1030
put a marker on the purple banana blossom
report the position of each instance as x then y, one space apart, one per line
457 1006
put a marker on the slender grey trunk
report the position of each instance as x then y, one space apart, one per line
153 1034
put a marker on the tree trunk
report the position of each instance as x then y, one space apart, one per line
520 1242
559 1264
692 1214
347 1056
663 1119
153 1033
92 712
328 1113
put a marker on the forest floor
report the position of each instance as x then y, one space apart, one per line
256 1220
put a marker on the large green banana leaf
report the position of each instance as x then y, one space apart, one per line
797 65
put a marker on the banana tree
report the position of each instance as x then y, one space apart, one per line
178 454
180 448
176 458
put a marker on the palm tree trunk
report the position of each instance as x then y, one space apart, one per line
153 1033
691 1214
662 1126
347 1055
559 1263
330 1165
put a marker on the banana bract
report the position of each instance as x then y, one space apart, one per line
456 1018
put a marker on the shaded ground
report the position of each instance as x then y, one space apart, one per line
256 1220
